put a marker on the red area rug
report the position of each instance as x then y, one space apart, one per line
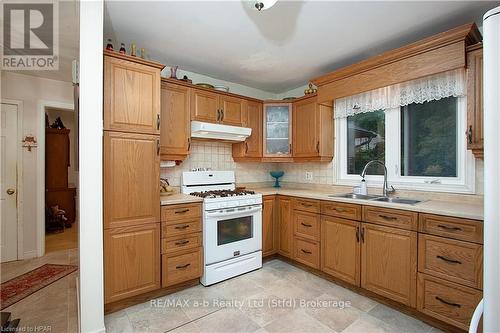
22 286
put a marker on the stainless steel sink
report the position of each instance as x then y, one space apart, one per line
398 200
355 196
405 201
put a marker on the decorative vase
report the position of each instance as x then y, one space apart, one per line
173 72
276 175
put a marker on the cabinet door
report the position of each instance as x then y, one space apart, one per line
305 129
131 261
277 130
253 145
475 102
131 179
131 97
389 262
205 106
268 229
340 253
56 158
285 226
232 110
175 122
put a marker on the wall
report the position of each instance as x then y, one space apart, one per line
218 156
32 91
68 119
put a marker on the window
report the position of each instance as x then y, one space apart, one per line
421 144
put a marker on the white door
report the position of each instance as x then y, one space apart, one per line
8 182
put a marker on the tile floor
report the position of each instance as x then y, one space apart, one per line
53 307
263 301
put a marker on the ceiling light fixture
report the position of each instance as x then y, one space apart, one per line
261 5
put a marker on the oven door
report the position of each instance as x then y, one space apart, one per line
232 232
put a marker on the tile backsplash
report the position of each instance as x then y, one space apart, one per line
218 156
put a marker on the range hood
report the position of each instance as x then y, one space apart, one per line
204 130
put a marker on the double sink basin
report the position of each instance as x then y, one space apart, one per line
405 201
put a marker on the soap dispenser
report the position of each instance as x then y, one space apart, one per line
363 188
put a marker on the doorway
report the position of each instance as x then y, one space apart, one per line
10 181
61 180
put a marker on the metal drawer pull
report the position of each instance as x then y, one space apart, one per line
453 261
182 266
445 227
448 303
306 252
181 211
385 217
306 225
182 227
306 204
183 242
340 210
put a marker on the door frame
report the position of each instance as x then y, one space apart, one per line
40 170
19 180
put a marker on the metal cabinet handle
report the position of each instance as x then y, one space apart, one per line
469 135
181 227
158 121
222 111
306 225
317 147
390 218
218 114
182 266
246 147
306 251
452 261
445 227
363 235
340 210
448 303
306 204
183 242
357 234
290 148
181 211
10 191
157 147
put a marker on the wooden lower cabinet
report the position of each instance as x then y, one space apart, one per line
181 266
447 301
131 261
340 249
389 262
269 238
285 226
306 252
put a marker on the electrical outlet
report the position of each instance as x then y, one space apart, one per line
309 175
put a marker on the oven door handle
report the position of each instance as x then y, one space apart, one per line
234 211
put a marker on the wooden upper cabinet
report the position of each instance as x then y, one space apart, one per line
176 122
389 262
312 130
205 106
268 227
251 148
131 261
131 95
131 173
277 136
285 226
231 109
474 132
340 249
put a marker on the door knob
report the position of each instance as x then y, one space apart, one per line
10 191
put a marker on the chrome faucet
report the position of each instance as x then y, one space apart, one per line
385 190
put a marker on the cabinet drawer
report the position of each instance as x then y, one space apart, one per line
306 205
181 228
343 210
452 227
180 212
391 217
182 242
306 252
306 225
447 301
453 260
181 267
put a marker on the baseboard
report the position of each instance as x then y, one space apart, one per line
30 254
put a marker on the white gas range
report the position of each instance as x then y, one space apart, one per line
232 224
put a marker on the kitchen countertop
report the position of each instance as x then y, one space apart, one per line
458 208
178 198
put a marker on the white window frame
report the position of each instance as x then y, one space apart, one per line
464 182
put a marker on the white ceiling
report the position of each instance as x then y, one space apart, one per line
283 47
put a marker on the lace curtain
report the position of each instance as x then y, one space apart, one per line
430 88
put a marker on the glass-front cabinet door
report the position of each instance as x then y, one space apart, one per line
277 130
